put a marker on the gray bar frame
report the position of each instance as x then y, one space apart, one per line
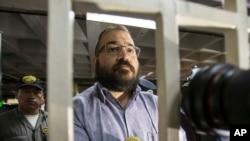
171 15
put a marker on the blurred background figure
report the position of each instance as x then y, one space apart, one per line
147 85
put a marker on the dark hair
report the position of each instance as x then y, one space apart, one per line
107 30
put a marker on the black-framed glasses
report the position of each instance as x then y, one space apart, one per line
115 49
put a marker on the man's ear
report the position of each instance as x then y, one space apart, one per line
94 62
44 99
16 94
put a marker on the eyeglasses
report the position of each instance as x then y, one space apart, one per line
115 49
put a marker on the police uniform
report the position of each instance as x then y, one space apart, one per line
15 127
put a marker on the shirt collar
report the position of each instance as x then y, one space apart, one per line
102 92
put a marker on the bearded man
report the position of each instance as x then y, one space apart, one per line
115 108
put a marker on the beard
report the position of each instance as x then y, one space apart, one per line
117 79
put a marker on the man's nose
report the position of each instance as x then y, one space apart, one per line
123 54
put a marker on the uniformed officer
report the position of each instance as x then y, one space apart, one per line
27 122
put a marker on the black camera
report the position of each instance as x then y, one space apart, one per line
216 97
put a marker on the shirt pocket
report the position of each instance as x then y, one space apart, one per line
17 138
152 136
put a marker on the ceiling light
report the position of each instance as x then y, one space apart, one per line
150 24
148 74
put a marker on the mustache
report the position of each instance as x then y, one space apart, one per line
121 62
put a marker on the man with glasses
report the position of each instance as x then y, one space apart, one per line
115 108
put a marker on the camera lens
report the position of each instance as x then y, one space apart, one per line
218 96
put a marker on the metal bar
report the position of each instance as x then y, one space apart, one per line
167 42
1 95
168 79
141 6
198 15
60 58
236 41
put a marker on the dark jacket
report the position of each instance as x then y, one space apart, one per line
15 126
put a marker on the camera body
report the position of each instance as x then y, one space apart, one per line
216 97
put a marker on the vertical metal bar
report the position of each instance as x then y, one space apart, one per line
60 58
168 79
1 95
236 41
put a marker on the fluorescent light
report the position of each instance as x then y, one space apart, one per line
150 24
148 74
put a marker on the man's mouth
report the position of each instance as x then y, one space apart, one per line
31 102
124 67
